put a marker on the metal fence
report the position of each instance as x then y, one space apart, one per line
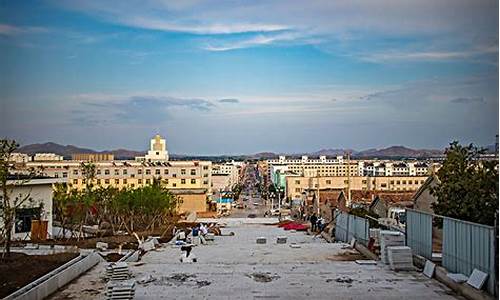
419 232
349 226
467 246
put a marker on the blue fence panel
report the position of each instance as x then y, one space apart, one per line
468 246
419 232
349 226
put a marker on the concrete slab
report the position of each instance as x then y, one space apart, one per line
235 267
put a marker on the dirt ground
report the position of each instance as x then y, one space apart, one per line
20 269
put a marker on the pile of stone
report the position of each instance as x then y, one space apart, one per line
388 239
281 240
261 240
117 271
120 290
400 258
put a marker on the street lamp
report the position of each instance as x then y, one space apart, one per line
278 188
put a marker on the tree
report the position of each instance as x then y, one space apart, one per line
468 187
10 204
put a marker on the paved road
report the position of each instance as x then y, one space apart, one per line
255 205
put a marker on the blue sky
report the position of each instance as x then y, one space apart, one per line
230 77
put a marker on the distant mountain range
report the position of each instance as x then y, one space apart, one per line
390 152
68 150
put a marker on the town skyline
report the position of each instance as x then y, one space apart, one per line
228 78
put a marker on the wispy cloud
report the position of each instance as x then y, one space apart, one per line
12 30
259 40
229 100
426 55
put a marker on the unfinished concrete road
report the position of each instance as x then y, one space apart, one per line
235 267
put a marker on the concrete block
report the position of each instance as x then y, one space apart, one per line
147 246
261 240
281 240
101 246
31 246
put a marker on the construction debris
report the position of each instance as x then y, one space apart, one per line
400 258
294 246
146 279
117 271
101 246
457 277
120 290
477 279
365 262
389 239
429 268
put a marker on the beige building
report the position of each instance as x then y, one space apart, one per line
132 174
295 186
191 200
93 156
47 157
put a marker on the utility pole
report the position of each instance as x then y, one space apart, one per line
348 179
317 198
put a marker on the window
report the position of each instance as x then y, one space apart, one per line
132 185
124 181
392 181
205 175
398 182
75 172
165 172
193 171
106 172
183 171
364 181
297 190
421 182
205 181
139 181
106 181
24 217
132 175
157 172
404 181
328 182
117 172
166 181
148 172
346 181
193 181
174 175
65 174
148 181
383 185
410 182
98 171
174 185
139 171
75 181
124 171
205 167
297 181
98 181
117 181
183 181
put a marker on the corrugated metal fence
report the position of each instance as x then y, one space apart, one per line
419 232
467 246
349 226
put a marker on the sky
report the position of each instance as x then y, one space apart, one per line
241 77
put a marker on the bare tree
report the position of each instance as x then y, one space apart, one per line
10 204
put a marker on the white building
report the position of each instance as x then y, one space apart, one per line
38 206
47 157
157 150
20 158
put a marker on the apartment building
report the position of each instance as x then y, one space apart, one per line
395 168
93 156
19 158
47 157
132 174
297 185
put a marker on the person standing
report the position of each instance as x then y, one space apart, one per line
313 221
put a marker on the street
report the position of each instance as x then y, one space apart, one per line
250 198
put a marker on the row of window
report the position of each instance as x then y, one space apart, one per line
139 171
139 181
